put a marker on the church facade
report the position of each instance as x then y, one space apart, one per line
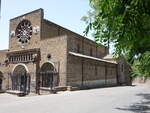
43 55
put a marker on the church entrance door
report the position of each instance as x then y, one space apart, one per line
20 79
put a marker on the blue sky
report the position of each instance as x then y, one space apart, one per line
67 13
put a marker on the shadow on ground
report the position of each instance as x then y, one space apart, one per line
141 107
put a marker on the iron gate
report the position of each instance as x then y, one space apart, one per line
48 79
20 82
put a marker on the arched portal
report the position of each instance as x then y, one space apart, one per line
20 78
47 67
48 75
1 80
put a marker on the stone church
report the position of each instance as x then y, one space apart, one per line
43 56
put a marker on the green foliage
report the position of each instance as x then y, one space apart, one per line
141 66
126 23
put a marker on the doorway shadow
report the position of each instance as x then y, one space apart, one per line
139 107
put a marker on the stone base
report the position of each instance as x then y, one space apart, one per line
2 91
69 88
15 92
44 90
61 88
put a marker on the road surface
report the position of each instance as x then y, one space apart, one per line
126 99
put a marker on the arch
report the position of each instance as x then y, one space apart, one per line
1 80
48 75
19 78
47 67
19 65
48 63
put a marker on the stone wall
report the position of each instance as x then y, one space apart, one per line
35 18
141 80
54 42
123 71
80 44
3 69
90 73
87 72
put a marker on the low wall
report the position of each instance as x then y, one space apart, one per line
142 80
95 83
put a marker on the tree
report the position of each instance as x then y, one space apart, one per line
126 24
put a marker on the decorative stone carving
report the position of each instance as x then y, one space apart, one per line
36 29
24 32
12 34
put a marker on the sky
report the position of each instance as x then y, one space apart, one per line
67 13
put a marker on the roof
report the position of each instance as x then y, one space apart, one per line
109 56
40 9
90 57
92 41
3 51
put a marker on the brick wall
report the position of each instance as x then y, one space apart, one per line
86 46
35 18
90 73
3 68
123 71
54 42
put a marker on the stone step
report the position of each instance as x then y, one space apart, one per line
16 92
2 91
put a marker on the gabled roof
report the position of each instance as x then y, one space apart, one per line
109 56
90 57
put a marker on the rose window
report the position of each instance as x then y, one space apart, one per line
24 31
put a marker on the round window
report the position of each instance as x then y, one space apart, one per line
24 31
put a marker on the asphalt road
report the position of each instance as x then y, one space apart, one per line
126 99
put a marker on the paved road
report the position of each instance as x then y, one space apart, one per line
127 99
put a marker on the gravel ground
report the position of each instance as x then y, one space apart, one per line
126 99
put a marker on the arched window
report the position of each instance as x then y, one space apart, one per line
48 77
